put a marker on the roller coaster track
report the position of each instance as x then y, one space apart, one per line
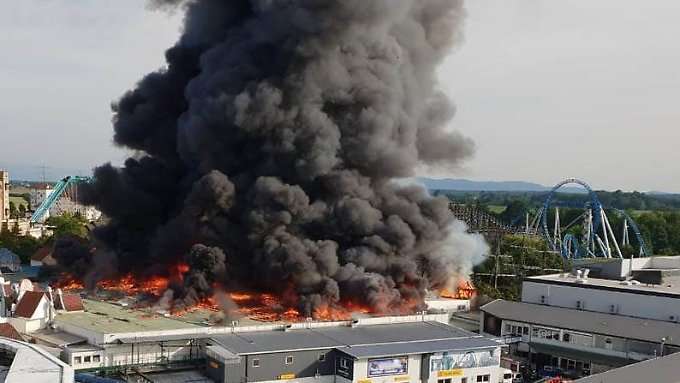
481 221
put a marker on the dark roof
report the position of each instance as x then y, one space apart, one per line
659 370
72 302
9 260
42 253
28 304
8 331
410 348
586 321
341 337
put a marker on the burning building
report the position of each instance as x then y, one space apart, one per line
266 155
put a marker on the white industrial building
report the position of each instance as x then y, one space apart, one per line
579 325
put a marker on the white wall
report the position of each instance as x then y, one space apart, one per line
27 326
636 305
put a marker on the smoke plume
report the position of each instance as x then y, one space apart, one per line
268 148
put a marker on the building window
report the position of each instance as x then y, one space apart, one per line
96 358
322 357
76 360
463 380
290 359
484 378
565 337
508 328
525 330
344 363
444 381
88 359
256 363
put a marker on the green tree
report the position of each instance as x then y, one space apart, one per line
68 225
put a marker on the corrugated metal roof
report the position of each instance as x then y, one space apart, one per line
339 337
409 348
586 321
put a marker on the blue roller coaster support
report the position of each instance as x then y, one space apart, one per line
636 230
58 191
571 248
595 205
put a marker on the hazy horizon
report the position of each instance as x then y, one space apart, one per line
547 90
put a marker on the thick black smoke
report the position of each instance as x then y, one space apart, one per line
268 149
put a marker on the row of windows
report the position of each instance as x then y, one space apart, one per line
86 359
480 378
517 330
290 359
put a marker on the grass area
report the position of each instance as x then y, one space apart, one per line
18 201
497 209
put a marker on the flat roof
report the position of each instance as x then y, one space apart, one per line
586 321
264 342
106 318
659 370
667 289
410 348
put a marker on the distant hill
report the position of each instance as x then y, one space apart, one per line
492 186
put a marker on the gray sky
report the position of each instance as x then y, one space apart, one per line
547 89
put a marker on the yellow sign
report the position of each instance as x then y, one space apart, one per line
402 378
286 376
364 381
450 373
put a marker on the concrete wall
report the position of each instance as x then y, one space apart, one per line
625 303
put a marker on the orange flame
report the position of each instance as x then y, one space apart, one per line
465 290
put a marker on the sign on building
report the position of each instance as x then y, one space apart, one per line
390 366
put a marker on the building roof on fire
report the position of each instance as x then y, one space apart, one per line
399 336
586 321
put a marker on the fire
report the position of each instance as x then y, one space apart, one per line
69 284
263 307
465 290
